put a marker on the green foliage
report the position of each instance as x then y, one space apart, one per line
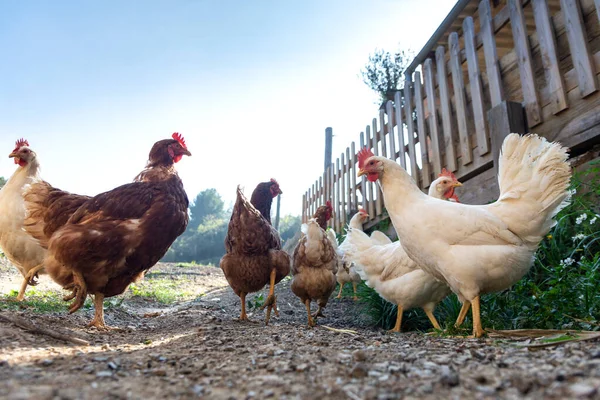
384 71
289 226
37 301
561 291
2 181
256 302
165 291
207 204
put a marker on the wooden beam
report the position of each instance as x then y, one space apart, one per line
547 41
460 99
382 132
389 110
400 129
491 55
580 48
476 87
425 167
521 39
436 151
378 199
410 129
363 181
440 57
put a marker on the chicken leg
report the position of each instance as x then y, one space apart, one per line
271 301
28 279
431 317
463 313
311 322
396 327
339 296
355 298
98 320
243 316
79 292
477 328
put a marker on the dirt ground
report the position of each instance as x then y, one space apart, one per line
197 349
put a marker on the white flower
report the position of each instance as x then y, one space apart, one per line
572 192
579 236
567 261
580 219
593 220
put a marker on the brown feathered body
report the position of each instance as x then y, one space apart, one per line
253 246
314 265
113 238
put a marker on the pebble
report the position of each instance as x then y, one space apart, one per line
582 390
449 377
359 370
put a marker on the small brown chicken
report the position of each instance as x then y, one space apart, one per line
254 256
114 237
315 264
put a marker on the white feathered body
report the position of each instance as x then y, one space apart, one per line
484 248
21 249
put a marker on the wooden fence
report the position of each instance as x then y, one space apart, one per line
517 66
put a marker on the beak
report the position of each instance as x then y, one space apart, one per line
457 184
280 191
361 172
187 152
12 155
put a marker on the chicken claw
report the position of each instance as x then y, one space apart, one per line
271 303
79 292
319 313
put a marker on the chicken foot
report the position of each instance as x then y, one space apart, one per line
319 313
339 296
355 298
98 320
29 279
271 301
311 322
396 327
477 328
79 292
243 315
463 313
431 317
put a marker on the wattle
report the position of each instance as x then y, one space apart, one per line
372 176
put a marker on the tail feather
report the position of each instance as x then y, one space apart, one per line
534 177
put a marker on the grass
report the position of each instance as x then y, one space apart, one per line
39 301
561 291
163 290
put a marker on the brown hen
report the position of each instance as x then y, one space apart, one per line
114 237
254 256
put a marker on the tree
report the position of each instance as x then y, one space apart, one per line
289 226
207 203
384 72
2 181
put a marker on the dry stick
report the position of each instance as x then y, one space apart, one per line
44 331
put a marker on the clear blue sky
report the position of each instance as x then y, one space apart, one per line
251 85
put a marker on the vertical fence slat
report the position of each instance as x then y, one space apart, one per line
579 46
400 129
311 212
337 194
389 110
425 173
332 183
322 189
491 55
483 141
547 40
377 189
521 40
342 215
353 173
410 128
371 203
460 100
442 77
433 122
349 203
382 133
304 208
363 179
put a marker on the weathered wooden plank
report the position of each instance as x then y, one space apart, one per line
332 184
425 167
389 110
547 42
349 203
483 142
371 202
508 117
400 129
353 173
597 4
521 41
304 208
446 111
377 190
338 194
342 214
491 55
363 181
382 134
410 128
460 100
433 122
580 48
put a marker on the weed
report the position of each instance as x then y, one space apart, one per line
165 291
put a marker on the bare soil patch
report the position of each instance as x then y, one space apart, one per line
195 348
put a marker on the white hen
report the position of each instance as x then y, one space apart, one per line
478 249
20 248
389 270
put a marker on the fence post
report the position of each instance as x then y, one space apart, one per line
328 147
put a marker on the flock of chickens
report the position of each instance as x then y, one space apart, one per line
99 245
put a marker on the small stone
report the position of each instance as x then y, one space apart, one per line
449 376
47 362
103 374
268 393
582 390
359 371
100 359
251 394
159 372
198 389
112 365
359 355
302 367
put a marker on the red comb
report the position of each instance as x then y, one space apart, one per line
274 181
447 174
20 143
177 136
363 155
328 204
